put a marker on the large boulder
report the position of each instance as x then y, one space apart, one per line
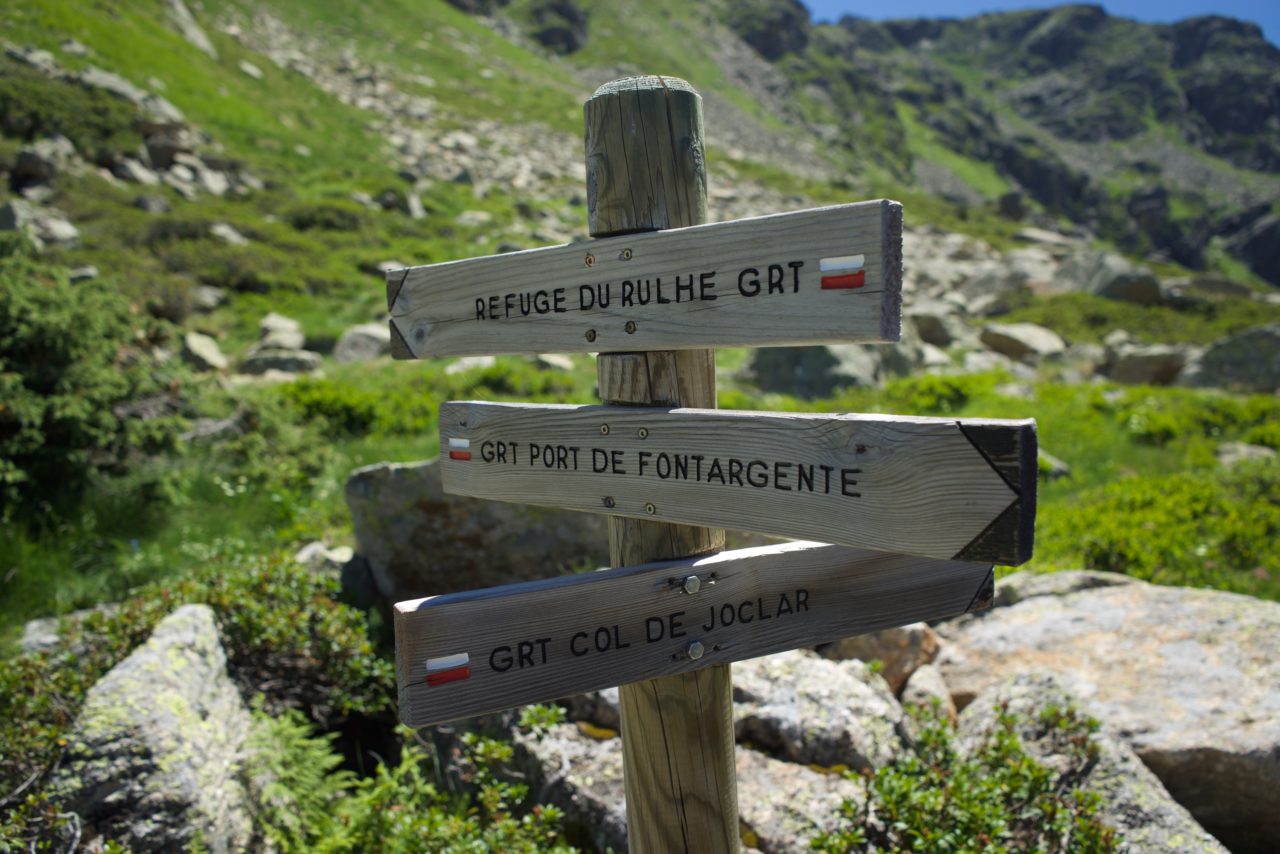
782 805
260 361
39 162
419 541
42 226
154 761
1191 678
1111 276
1246 361
1133 800
202 352
1259 246
814 371
805 709
938 323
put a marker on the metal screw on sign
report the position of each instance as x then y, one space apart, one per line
604 429
692 584
643 432
650 508
608 501
591 335
696 650
591 260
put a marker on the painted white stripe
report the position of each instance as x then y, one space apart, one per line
447 662
459 444
843 263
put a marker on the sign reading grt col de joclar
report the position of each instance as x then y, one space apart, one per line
822 275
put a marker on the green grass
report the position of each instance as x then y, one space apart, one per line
1083 318
924 144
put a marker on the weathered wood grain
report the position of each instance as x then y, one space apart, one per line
619 626
646 170
894 483
686 288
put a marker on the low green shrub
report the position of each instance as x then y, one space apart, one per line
993 798
1212 527
1084 318
1180 414
33 106
286 636
330 215
79 392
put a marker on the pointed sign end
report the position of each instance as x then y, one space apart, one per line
1010 539
399 346
891 252
395 281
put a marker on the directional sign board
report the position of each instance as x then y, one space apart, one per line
827 274
464 654
938 487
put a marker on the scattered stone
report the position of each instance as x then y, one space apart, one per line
469 363
414 206
302 150
71 47
202 352
191 30
128 169
272 322
228 234
938 323
82 274
420 542
899 650
252 70
926 689
1049 238
1018 391
40 60
41 161
154 760
322 560
805 709
1233 453
1022 341
1246 361
980 361
1027 584
207 298
1051 468
554 362
599 708
287 361
1190 677
280 339
363 343
473 219
43 226
814 371
1108 275
211 430
152 204
1147 364
213 182
1133 801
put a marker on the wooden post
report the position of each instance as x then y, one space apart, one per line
646 171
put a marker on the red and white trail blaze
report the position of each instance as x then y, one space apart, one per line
843 271
459 449
448 668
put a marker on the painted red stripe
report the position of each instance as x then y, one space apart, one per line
853 280
459 455
444 677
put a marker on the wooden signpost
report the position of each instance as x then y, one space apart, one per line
937 487
471 653
651 294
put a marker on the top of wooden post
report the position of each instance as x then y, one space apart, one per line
646 168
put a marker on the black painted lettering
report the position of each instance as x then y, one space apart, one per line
542 647
493 307
506 304
826 471
846 481
758 473
500 660
479 308
804 473
706 282
586 297
599 460
751 287
760 610
675 628
644 460
617 638
775 279
542 302
711 619
735 471
602 639
784 605
682 466
684 291
795 275
802 600
664 466
524 650
558 299
628 290
653 629
715 472
726 615
487 452
658 289
779 475
697 458
573 644
742 617
615 460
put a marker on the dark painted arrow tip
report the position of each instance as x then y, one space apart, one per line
1010 538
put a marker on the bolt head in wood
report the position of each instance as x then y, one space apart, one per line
650 509
591 335
643 432
608 501
630 327
590 260
696 650
604 429
625 255
692 584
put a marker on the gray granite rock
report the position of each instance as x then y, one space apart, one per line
1026 584
277 359
363 343
1134 802
155 757
202 352
814 371
1247 361
803 708
928 689
1189 678
1022 341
